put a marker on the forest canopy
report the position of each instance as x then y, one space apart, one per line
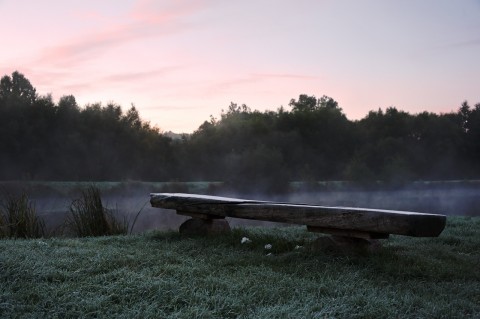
313 140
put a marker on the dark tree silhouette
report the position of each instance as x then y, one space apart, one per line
248 150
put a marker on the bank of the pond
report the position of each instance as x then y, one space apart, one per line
161 274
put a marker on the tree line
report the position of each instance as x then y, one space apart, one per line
312 140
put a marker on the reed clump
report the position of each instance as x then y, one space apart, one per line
89 217
19 219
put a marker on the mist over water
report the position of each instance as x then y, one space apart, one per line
52 200
464 202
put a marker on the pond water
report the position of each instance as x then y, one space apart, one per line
448 198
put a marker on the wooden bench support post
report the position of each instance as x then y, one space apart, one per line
346 241
341 244
347 233
203 224
199 215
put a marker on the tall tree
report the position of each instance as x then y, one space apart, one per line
17 89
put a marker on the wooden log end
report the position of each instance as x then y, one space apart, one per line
204 227
427 226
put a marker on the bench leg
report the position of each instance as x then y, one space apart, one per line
199 226
342 244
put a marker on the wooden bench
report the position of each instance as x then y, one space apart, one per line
208 213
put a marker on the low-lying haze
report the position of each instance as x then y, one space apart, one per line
127 199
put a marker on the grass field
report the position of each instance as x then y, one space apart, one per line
164 275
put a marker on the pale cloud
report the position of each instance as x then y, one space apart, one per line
137 76
67 83
78 86
253 80
89 46
94 57
146 19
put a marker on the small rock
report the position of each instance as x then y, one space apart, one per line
268 246
245 240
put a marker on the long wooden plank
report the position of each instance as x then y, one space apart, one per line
341 218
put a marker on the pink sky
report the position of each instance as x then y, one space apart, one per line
181 61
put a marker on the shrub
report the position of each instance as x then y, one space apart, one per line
18 218
88 217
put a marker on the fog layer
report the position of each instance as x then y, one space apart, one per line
52 200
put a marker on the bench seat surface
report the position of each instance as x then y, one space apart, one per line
376 221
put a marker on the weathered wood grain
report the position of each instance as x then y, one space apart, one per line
350 219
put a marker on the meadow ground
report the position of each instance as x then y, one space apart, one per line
165 275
